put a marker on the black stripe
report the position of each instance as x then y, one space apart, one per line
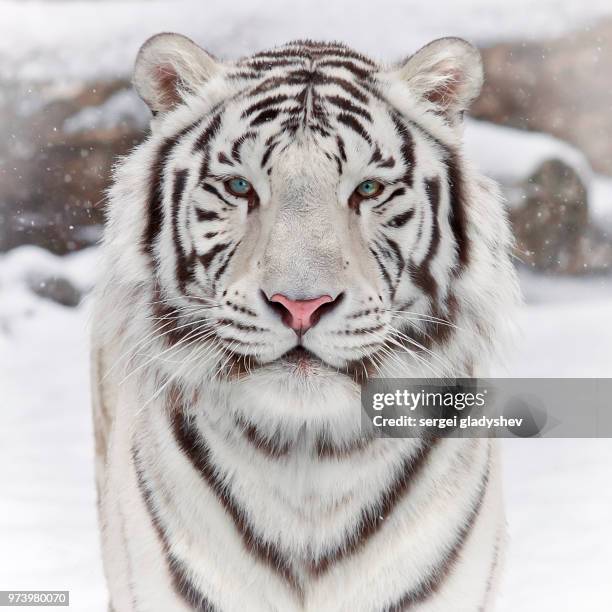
317 128
272 446
398 256
387 163
263 104
224 265
373 516
224 159
354 125
458 217
341 148
206 215
385 274
376 156
319 110
384 251
338 164
432 189
360 73
400 220
282 53
348 106
326 449
309 49
155 202
179 571
349 87
265 65
406 148
395 194
203 143
267 153
421 275
212 189
207 257
265 116
238 144
270 84
194 446
182 270
209 132
289 126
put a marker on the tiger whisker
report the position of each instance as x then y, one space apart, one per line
411 353
175 346
445 364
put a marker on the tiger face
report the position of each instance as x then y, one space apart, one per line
307 209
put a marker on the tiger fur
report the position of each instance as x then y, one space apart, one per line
231 468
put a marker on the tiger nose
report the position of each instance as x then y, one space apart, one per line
301 315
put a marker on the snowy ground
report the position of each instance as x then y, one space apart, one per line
558 491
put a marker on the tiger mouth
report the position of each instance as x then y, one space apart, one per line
300 360
300 355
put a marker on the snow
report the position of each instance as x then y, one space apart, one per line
76 39
559 498
47 507
565 330
559 510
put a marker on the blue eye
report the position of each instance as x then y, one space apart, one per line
239 187
369 188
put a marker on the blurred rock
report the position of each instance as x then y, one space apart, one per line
552 226
56 289
56 162
561 86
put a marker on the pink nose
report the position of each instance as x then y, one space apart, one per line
301 315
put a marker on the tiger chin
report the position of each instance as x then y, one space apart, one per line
296 223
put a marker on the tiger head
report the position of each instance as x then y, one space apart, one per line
308 212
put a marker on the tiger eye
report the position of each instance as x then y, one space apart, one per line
369 188
239 186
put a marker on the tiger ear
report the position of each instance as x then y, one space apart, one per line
169 66
448 73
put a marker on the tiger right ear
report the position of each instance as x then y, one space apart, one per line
167 67
448 73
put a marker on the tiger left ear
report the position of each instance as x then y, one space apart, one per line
448 73
167 67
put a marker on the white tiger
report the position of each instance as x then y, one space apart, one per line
296 222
